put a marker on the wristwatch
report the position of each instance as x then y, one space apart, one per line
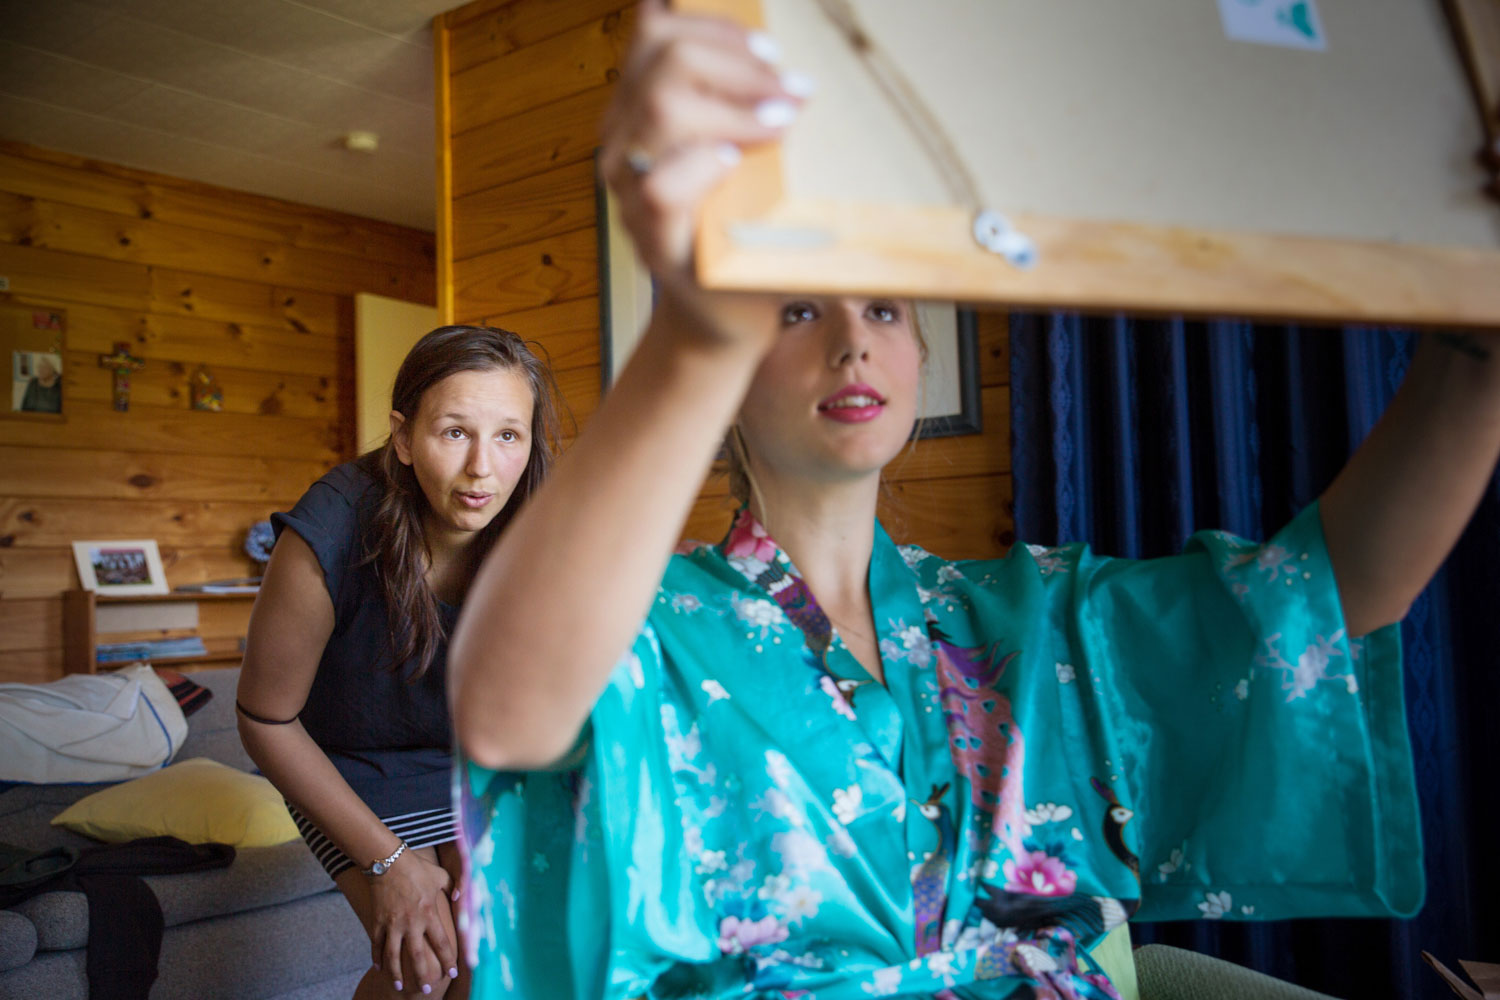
384 865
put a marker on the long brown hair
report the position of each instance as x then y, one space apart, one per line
396 541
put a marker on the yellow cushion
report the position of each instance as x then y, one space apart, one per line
1114 956
198 800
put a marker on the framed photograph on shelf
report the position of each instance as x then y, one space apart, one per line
31 347
120 568
950 402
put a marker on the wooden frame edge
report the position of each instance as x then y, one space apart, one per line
746 12
929 252
751 238
443 115
607 278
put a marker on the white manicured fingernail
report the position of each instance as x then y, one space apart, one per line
763 47
398 986
798 83
775 113
729 153
453 972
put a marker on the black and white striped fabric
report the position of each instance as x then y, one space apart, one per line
419 829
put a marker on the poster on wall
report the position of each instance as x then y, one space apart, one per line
31 347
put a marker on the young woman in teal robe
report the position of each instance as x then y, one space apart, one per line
809 762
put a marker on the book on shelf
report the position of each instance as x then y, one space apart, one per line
238 585
126 652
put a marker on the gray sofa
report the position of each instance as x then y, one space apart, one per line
270 925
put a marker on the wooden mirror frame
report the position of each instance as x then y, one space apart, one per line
928 251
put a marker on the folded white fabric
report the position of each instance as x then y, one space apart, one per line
89 727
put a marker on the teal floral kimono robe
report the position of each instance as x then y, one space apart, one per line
1063 740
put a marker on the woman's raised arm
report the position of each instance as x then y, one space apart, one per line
563 593
1398 507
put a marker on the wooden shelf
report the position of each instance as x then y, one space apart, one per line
174 596
163 661
80 622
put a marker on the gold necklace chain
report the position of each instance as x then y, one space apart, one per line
843 629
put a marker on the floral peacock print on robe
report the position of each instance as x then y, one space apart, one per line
1062 740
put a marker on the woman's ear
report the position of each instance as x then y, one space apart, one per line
400 438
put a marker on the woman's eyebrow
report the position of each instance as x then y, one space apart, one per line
461 417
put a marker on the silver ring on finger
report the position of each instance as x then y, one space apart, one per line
639 161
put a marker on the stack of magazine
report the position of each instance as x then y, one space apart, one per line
150 649
239 585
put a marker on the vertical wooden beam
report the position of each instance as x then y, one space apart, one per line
78 632
348 382
443 113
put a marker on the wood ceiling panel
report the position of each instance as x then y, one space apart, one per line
62 82
403 200
252 95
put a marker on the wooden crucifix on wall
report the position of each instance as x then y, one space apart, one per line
122 363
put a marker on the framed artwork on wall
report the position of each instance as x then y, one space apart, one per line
950 402
626 293
120 568
950 375
31 346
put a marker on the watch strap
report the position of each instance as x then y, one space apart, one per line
384 864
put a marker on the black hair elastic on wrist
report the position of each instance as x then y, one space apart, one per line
261 718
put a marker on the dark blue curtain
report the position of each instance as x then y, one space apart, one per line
1131 434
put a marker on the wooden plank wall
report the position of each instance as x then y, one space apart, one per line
260 291
526 83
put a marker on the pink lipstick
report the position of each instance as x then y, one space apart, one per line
853 404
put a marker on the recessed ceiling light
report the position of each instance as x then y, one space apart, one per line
361 142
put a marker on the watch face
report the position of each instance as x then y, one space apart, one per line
378 868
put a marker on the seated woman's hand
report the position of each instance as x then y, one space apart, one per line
693 91
413 939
